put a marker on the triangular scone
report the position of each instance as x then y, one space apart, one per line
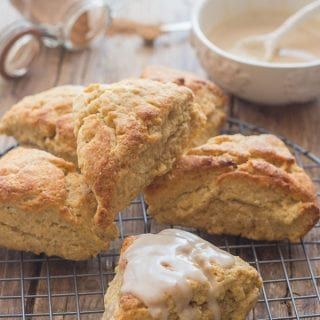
44 120
177 275
128 133
237 185
211 99
45 206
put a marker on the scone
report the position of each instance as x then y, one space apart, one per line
177 275
237 185
211 99
44 120
128 133
45 206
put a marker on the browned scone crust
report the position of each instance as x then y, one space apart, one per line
246 186
44 120
238 288
210 97
128 133
45 206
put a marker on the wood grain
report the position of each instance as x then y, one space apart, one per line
118 57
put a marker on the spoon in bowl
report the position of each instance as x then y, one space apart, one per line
268 44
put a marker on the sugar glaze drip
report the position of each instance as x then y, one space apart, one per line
165 264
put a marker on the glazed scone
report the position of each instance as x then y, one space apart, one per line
211 99
237 185
128 133
45 121
176 275
45 206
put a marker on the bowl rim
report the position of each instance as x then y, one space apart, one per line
198 7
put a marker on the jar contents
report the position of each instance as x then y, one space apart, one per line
163 264
302 44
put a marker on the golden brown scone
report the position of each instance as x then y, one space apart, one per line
44 120
127 134
211 99
235 290
45 206
237 185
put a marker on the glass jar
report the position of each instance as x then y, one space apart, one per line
74 24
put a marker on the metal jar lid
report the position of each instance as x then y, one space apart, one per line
20 44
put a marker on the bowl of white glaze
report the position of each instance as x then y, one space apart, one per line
259 82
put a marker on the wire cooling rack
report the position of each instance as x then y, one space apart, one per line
38 287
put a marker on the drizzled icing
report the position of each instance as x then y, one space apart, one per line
163 264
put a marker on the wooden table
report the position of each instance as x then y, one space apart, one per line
120 57
114 59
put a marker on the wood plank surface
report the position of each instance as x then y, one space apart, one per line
77 289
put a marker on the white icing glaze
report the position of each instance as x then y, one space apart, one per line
299 45
163 264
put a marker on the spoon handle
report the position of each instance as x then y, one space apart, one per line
148 32
300 16
176 27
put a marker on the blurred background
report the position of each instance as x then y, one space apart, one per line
120 56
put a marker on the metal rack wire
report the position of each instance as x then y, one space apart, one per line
38 287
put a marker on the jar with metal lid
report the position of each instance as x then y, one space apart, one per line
74 24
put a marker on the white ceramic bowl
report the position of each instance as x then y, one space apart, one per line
264 83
